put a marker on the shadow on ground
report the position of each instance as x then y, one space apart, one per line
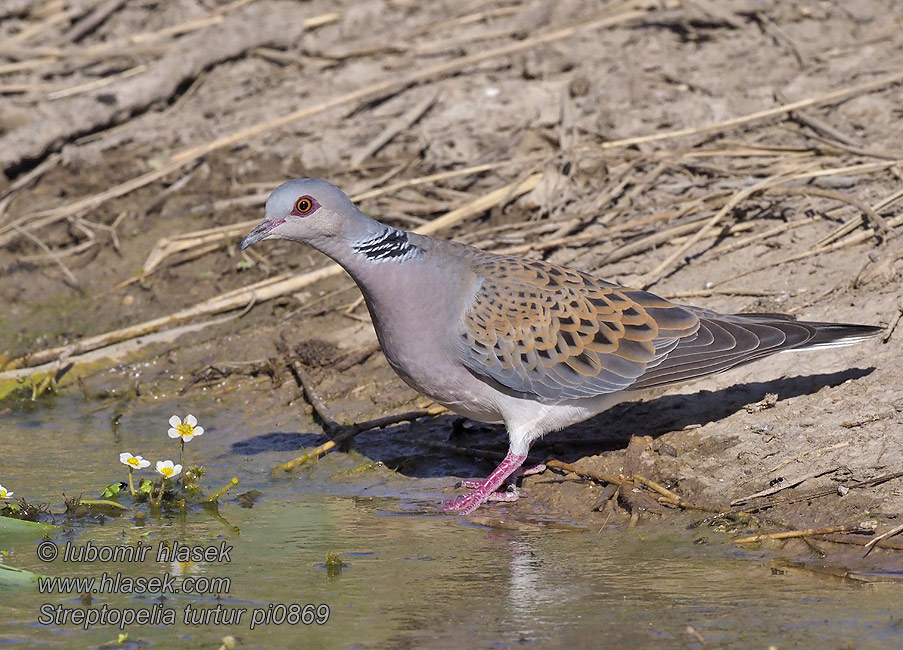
408 448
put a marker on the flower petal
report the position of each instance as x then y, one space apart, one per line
124 457
188 437
175 421
143 463
191 420
176 469
173 433
199 431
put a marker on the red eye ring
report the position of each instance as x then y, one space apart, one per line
304 205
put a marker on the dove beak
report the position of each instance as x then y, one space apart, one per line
260 232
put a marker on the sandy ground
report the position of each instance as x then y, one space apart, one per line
544 93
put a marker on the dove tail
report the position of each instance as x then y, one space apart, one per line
725 341
835 335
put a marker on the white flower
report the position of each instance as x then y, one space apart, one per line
4 494
185 430
167 469
134 462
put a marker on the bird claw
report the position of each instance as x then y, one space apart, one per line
529 471
469 502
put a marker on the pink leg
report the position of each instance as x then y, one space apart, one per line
470 502
516 474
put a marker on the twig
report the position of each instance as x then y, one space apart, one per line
785 485
858 238
867 211
363 94
52 255
655 275
92 21
696 636
97 83
10 193
826 98
790 534
347 433
872 482
893 325
585 473
303 380
777 230
803 454
395 127
822 127
893 531
772 29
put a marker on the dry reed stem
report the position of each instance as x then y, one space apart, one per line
404 121
415 77
347 432
769 183
186 156
858 238
771 232
656 274
790 534
890 533
53 255
97 83
825 98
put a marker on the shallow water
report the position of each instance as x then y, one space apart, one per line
413 577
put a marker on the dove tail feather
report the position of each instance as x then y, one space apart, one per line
727 341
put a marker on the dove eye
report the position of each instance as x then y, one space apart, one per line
305 205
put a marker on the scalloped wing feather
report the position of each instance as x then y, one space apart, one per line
541 330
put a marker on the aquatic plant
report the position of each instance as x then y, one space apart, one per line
133 463
168 471
184 431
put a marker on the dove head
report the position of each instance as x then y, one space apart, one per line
310 211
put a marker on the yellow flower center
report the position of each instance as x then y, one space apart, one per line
167 471
134 462
2 494
185 429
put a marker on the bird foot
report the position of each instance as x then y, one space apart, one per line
488 490
469 502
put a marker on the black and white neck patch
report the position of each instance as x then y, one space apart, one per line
390 244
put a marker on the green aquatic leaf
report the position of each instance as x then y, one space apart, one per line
36 529
12 577
102 504
111 491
